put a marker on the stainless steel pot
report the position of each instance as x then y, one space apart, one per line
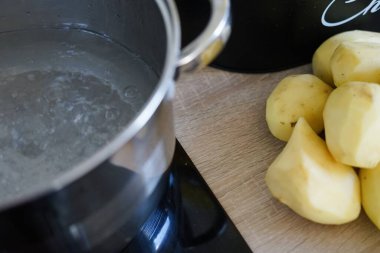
99 204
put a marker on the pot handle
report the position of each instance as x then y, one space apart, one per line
200 52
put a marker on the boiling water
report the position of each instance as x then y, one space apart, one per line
63 95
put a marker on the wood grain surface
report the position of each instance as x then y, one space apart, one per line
220 121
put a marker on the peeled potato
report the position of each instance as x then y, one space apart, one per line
370 184
352 124
322 56
306 178
294 97
356 61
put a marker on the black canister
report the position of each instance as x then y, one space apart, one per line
271 35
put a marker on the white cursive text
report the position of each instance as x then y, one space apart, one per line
373 7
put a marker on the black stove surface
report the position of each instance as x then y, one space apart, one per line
190 219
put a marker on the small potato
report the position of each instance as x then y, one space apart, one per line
322 56
306 178
294 97
356 61
352 124
370 184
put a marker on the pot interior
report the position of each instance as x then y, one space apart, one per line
73 74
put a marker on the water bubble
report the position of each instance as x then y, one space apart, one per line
131 92
31 77
72 52
20 108
88 130
77 118
14 134
55 84
60 79
44 146
112 114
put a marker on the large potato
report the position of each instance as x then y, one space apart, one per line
294 97
306 178
356 61
322 56
370 184
352 124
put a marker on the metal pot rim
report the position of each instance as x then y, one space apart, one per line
170 16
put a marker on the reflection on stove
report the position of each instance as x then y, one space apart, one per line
189 219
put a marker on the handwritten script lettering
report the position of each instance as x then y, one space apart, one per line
373 7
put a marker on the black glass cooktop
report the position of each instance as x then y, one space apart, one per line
190 219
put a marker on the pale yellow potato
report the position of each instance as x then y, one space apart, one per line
352 124
356 61
370 185
294 97
322 56
306 178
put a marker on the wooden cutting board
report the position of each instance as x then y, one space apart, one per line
220 121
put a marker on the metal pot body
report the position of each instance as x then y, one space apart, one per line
100 204
102 209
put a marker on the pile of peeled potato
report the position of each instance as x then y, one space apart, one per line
328 179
